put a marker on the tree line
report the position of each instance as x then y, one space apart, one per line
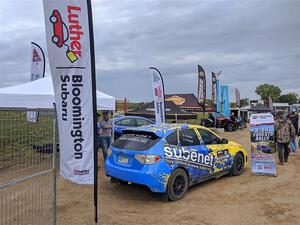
268 90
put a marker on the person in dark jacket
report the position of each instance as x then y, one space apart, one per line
293 116
284 132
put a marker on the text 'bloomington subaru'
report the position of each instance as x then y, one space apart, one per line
169 158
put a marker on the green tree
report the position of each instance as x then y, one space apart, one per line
290 98
268 90
244 102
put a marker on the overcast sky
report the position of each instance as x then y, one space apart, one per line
252 42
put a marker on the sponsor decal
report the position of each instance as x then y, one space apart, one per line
188 157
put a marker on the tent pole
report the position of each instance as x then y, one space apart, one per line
113 128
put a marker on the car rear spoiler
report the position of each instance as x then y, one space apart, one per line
153 135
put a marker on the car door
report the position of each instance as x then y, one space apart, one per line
198 158
220 151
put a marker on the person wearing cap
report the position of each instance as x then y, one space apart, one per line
284 132
105 132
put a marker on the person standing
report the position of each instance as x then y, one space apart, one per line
293 116
105 132
284 132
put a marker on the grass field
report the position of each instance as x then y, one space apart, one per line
20 139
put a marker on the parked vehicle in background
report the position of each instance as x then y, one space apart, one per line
123 122
218 120
240 123
168 158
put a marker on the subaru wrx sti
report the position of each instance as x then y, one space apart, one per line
169 158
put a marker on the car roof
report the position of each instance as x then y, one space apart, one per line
162 130
130 117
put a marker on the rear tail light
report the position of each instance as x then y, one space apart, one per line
147 159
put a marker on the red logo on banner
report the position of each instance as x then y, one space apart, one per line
158 92
35 56
62 33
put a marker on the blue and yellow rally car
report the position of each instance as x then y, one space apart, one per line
169 158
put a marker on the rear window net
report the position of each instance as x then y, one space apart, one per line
136 140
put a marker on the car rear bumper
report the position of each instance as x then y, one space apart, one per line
154 176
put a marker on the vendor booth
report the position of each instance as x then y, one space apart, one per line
173 111
40 94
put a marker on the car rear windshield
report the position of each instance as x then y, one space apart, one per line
137 141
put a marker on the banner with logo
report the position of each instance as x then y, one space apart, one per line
218 92
225 101
69 37
201 86
237 97
262 144
214 88
159 95
37 71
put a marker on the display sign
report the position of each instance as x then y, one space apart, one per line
69 39
37 71
262 144
159 95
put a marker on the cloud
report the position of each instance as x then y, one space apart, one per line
252 42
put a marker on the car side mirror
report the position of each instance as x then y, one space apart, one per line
224 141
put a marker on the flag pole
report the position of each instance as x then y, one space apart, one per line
93 71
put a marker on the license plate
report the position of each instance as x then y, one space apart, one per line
123 160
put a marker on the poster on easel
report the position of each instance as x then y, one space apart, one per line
262 131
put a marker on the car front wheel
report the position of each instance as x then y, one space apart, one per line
238 165
177 185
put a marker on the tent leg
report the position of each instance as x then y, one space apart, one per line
113 128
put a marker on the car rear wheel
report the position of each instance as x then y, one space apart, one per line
177 185
238 165
229 127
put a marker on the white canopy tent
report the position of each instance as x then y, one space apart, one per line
40 94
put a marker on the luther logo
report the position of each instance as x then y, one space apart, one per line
68 37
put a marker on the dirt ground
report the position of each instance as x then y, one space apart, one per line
242 200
